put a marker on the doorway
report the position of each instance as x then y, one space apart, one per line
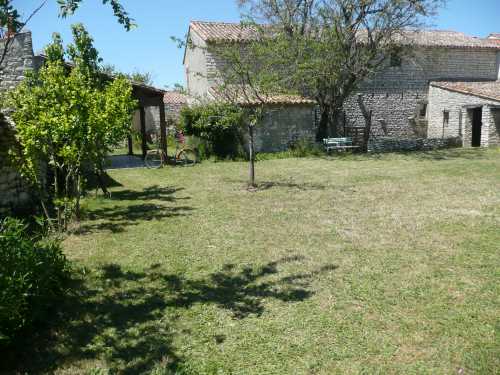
477 118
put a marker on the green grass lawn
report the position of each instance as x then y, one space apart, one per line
355 264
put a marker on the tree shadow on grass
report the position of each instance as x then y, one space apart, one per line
155 192
448 154
118 217
125 319
285 184
304 186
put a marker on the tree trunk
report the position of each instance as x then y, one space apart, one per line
336 128
144 143
130 145
56 195
251 153
100 180
323 123
78 193
368 129
367 114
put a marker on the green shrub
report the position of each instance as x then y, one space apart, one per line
33 274
219 125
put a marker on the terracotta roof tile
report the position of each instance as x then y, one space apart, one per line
234 32
486 90
222 31
274 99
173 97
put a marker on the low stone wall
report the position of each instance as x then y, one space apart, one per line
14 192
389 144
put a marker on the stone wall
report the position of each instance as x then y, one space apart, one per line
14 196
14 193
173 111
396 94
284 124
18 60
460 118
389 144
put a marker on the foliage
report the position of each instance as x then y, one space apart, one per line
145 78
33 274
219 124
68 7
68 119
10 15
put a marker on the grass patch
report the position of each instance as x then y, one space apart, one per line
344 264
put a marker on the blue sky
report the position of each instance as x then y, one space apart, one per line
149 48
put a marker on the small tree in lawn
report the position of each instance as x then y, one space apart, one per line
67 118
248 79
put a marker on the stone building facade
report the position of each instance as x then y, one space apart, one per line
14 191
284 124
468 110
398 95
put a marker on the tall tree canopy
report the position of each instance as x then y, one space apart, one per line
325 49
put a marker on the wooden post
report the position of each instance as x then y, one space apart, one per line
143 132
251 152
130 145
163 128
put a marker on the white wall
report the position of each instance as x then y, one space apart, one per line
459 123
195 65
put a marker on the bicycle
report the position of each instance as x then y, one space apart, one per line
155 158
184 156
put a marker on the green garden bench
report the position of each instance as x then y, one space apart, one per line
338 144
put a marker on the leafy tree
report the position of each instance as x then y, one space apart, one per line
217 123
67 118
10 19
136 76
325 49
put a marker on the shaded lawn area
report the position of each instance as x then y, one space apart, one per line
350 264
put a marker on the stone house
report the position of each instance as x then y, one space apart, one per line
408 98
287 117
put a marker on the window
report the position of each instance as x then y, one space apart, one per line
446 118
422 113
446 121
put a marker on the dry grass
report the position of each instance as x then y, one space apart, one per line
358 264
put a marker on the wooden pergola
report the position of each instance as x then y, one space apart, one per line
149 96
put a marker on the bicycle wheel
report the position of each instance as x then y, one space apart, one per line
186 158
153 159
